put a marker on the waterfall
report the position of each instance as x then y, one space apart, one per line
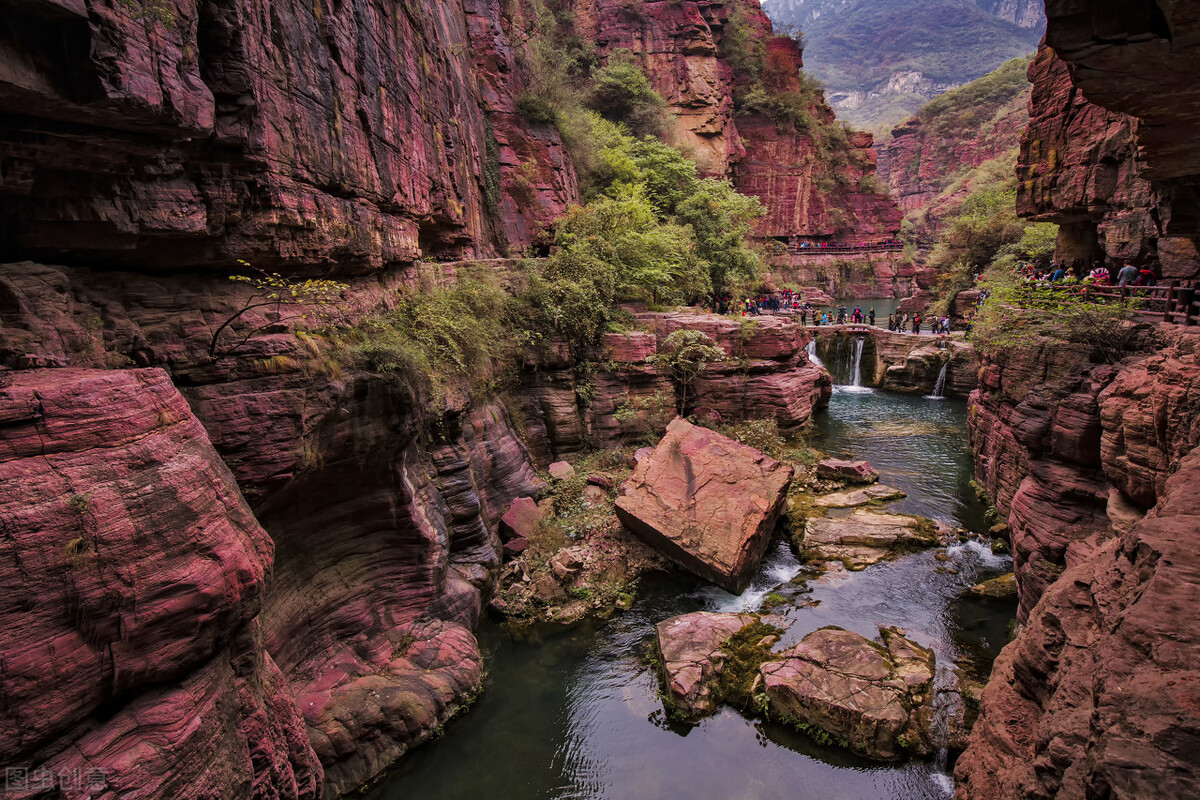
856 376
812 352
939 388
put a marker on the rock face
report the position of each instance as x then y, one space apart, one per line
866 537
679 45
134 566
1075 455
690 646
383 548
917 162
707 502
766 374
1080 167
877 699
1098 694
194 136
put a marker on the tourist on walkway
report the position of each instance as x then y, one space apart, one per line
872 315
1127 275
917 324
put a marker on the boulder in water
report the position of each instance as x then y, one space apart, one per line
867 537
692 657
1004 586
875 699
859 497
705 501
836 469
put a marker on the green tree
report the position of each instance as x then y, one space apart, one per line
685 354
290 300
722 221
622 93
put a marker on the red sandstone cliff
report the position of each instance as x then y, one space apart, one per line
1081 167
679 45
923 154
1098 695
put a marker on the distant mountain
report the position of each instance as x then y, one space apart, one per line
881 60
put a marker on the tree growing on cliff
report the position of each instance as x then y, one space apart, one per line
685 354
622 93
310 300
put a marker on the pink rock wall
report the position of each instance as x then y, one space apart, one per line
1080 167
299 135
134 575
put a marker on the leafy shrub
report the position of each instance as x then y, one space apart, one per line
1022 316
622 93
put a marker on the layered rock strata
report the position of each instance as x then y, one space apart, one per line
135 573
1081 167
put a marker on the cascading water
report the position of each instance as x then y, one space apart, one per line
939 388
856 376
812 352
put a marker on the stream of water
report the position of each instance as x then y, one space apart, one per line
576 714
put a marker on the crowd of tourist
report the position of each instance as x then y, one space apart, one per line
1100 274
792 303
840 246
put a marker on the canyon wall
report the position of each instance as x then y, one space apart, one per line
1093 464
176 135
1083 166
679 45
1095 468
378 534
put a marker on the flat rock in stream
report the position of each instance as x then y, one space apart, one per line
692 657
875 699
860 497
866 537
838 469
705 501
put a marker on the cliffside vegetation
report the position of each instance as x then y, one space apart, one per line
769 85
983 231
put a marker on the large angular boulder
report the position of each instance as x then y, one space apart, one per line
522 518
867 537
705 501
876 699
692 657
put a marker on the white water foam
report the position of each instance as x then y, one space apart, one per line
973 548
779 567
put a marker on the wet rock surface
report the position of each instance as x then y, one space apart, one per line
866 537
875 699
692 657
847 471
859 497
705 501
